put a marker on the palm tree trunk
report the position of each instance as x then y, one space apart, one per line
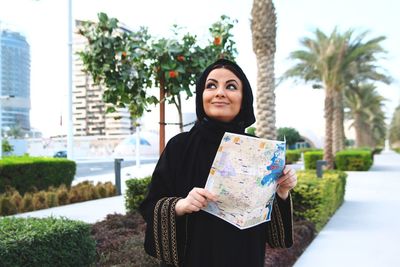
265 100
338 118
328 155
263 28
358 128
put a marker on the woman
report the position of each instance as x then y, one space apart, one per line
178 232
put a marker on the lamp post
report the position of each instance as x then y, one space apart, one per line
69 111
2 97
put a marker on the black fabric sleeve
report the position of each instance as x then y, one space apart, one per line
163 230
280 227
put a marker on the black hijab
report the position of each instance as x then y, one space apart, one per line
245 118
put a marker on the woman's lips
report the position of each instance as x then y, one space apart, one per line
220 103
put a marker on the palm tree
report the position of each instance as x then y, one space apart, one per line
331 62
365 109
321 63
263 28
394 131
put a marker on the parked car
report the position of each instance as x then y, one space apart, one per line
60 154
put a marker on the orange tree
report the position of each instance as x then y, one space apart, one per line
129 63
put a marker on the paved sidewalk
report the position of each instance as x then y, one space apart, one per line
365 231
95 210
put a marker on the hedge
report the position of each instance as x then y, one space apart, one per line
136 192
23 173
45 242
354 160
292 156
316 199
345 160
310 159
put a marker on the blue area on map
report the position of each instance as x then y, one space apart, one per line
268 218
275 167
227 138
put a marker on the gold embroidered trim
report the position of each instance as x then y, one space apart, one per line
155 227
291 211
281 227
275 238
173 233
165 231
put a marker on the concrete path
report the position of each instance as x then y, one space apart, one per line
365 231
95 210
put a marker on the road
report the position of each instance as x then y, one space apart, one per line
90 168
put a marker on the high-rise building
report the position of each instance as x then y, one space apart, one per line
15 80
89 110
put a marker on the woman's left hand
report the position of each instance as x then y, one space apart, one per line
286 182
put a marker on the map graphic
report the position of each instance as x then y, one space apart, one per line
243 176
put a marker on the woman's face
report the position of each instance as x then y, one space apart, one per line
222 95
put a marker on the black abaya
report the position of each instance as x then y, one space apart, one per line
201 239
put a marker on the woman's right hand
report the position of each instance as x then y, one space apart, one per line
197 199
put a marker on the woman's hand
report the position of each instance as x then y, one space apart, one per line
286 182
197 199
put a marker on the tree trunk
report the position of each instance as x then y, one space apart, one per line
358 128
328 155
178 105
162 115
338 127
263 28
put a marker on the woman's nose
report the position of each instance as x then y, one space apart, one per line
220 92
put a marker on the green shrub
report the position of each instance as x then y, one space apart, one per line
52 199
353 160
39 200
101 190
377 150
17 200
62 195
54 196
316 199
292 156
27 203
23 173
7 207
251 131
136 192
45 242
309 149
310 159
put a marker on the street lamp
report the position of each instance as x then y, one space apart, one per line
70 132
2 97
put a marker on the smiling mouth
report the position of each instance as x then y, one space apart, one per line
220 103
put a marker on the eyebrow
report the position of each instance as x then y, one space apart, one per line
231 80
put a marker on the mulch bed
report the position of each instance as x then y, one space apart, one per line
304 232
120 240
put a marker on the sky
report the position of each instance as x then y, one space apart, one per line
44 23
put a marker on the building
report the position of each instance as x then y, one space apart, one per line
14 80
89 110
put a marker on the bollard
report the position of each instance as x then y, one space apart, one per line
117 169
320 163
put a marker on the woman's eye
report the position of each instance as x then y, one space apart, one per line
231 87
211 86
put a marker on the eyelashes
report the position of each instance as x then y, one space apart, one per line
211 86
231 87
